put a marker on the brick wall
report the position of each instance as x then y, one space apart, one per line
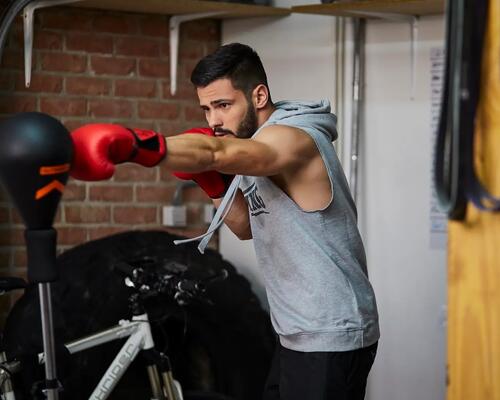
99 66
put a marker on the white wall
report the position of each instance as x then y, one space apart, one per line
409 277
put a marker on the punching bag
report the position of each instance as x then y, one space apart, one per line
35 158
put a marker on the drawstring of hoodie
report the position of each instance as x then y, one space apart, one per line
218 218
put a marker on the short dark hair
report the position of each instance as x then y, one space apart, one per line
237 62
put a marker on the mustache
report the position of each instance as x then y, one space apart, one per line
220 130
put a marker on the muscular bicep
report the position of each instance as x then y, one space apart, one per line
275 150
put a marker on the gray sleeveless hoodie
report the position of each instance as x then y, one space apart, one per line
313 262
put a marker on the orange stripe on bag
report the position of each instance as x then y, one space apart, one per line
54 185
54 169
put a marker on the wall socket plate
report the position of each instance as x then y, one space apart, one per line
174 216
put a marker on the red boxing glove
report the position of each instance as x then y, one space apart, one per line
213 183
98 147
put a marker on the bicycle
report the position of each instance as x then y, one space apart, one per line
145 283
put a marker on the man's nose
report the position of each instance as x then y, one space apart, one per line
214 121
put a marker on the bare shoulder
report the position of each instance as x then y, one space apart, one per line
287 138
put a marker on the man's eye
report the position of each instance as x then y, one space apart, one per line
224 105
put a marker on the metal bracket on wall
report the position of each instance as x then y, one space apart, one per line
28 17
413 20
174 23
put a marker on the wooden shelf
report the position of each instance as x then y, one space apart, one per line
179 7
369 8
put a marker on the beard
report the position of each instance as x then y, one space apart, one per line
247 127
249 124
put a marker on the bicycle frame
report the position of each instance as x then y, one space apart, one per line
140 338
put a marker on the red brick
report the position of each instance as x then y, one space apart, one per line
203 31
136 46
101 232
67 19
58 216
110 108
112 65
5 259
149 109
111 193
15 38
191 51
40 83
63 106
194 215
195 194
122 23
7 80
165 49
71 235
185 91
16 104
87 214
13 59
16 217
74 192
20 259
154 68
188 232
194 114
186 67
212 46
135 88
87 86
135 215
166 176
140 124
134 173
71 125
64 62
4 214
155 194
47 40
12 236
155 26
89 43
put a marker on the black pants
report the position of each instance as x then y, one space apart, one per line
319 375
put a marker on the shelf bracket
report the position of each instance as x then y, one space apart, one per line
413 20
28 17
174 24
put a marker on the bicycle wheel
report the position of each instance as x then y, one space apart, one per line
225 347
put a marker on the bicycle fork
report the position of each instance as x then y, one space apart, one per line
170 390
6 369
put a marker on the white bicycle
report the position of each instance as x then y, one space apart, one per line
145 283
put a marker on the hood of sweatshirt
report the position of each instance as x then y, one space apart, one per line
307 114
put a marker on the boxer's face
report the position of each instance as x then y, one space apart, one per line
227 110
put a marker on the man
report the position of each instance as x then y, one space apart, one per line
293 201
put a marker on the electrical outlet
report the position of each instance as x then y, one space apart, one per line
174 216
208 213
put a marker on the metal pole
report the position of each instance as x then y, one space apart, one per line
48 341
357 99
340 25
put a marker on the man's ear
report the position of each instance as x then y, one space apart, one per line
260 96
